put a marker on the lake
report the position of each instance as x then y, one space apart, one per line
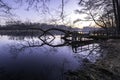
45 58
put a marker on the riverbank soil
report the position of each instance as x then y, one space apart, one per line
106 68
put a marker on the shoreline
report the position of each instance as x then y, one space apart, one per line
107 68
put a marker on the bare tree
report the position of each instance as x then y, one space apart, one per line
4 7
100 11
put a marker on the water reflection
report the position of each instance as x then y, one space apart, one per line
32 58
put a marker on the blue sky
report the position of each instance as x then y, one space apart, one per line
54 6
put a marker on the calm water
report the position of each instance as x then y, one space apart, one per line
29 58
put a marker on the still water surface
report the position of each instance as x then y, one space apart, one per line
28 58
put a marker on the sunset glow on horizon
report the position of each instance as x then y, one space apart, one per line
54 13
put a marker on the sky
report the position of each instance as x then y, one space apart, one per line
54 13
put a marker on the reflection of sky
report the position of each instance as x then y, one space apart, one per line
38 59
35 59
54 7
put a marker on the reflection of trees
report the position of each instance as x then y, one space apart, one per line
46 39
77 47
17 48
96 70
89 53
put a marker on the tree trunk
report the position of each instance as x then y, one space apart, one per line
116 7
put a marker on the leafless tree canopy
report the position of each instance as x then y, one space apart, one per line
100 11
4 7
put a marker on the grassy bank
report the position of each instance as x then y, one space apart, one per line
107 68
